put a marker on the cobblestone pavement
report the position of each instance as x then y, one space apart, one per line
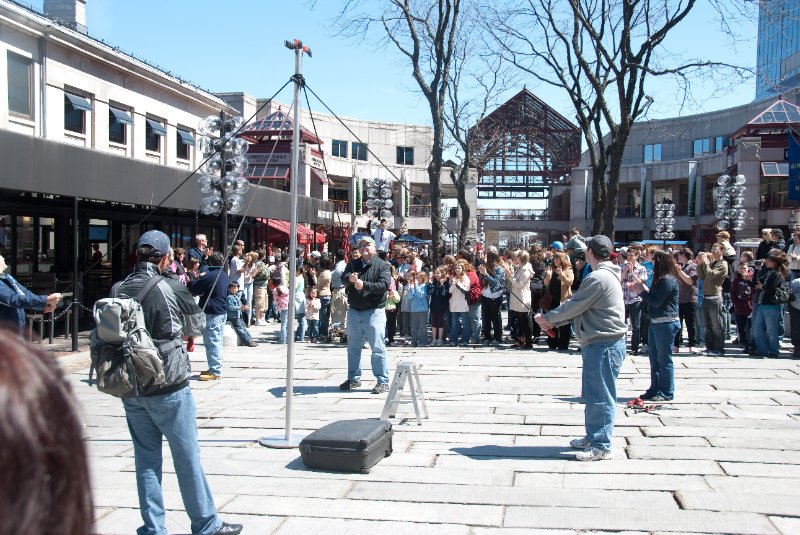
724 457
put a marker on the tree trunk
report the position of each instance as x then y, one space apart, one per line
612 187
434 175
434 171
598 198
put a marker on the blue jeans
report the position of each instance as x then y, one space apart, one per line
419 328
284 315
313 329
662 371
324 319
475 321
601 364
765 329
462 318
241 330
699 325
172 416
212 338
367 324
300 331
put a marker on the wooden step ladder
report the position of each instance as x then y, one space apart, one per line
406 373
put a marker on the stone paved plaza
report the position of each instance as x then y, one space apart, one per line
494 456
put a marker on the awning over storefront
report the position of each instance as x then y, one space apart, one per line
305 235
322 176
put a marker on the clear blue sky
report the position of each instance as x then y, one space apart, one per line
237 45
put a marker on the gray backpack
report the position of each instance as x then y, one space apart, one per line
122 351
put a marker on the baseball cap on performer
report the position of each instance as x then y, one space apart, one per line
155 239
600 246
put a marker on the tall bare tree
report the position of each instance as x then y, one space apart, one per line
477 82
603 54
425 33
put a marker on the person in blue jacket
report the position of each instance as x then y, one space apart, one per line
15 298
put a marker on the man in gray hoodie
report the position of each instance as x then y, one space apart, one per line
598 312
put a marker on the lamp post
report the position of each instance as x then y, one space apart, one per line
223 194
730 202
665 221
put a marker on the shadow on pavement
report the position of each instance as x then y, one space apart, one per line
488 452
280 391
574 399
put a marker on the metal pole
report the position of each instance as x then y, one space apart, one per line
289 440
77 295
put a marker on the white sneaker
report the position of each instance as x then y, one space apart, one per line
579 443
261 323
593 454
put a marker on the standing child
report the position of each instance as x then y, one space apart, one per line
312 315
439 290
280 298
235 308
742 299
405 305
418 306
392 299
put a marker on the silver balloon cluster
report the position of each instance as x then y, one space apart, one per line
665 221
222 181
379 200
730 202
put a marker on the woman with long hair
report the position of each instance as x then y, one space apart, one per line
558 279
459 308
769 305
44 475
520 304
493 280
662 301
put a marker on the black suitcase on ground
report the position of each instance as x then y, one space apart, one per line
348 445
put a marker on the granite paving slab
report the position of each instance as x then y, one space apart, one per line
493 459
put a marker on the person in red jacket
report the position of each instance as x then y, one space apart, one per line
474 297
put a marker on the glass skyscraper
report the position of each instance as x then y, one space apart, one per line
778 60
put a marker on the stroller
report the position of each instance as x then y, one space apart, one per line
337 333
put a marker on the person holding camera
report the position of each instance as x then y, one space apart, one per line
15 298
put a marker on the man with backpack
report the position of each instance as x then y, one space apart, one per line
168 410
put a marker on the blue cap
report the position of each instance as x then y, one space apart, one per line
155 239
557 245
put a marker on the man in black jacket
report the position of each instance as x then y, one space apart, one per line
366 281
212 287
170 313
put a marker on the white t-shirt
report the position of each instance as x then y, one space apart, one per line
236 264
383 238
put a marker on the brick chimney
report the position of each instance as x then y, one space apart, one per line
72 12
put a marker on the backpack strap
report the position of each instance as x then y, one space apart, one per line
148 287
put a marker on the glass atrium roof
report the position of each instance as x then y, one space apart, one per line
276 125
780 112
